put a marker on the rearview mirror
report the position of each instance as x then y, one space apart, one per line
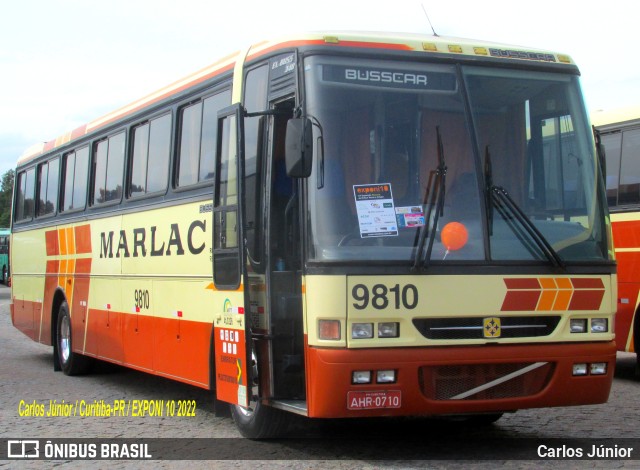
298 147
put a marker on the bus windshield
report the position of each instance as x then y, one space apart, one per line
433 163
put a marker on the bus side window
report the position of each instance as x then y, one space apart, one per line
197 139
25 197
47 187
629 189
107 169
75 166
151 153
613 145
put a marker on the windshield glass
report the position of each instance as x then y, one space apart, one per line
536 147
403 173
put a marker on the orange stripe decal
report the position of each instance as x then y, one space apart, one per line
51 238
83 239
552 294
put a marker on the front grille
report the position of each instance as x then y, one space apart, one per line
473 327
484 381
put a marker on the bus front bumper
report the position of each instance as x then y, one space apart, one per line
457 380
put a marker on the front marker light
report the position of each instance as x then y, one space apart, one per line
578 325
388 330
361 377
598 368
329 330
599 325
580 369
362 330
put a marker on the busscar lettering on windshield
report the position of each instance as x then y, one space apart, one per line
390 78
375 208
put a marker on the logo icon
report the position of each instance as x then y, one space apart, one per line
491 327
23 449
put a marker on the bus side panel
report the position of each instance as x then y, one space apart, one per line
50 286
103 331
79 301
625 316
626 236
138 341
182 329
28 286
137 327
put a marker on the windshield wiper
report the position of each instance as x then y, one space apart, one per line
433 198
498 197
488 185
505 204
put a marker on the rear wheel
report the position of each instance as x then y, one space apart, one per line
258 421
5 275
70 363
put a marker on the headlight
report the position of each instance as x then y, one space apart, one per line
362 330
578 325
580 369
386 376
599 325
598 368
388 330
361 377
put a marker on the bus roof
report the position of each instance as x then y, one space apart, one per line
425 44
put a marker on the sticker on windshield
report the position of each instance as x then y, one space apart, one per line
410 216
376 214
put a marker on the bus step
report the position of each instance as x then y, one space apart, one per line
294 406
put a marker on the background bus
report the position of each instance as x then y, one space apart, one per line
5 240
620 134
332 225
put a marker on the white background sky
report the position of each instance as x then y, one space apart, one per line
66 62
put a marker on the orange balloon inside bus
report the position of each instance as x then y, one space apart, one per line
454 236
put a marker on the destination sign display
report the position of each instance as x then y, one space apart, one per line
390 78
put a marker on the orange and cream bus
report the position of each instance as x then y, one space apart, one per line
332 225
619 132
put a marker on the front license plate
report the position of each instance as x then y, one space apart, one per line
374 400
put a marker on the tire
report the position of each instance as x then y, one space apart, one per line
69 362
259 421
5 276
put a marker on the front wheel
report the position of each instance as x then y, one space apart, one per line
70 363
258 421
